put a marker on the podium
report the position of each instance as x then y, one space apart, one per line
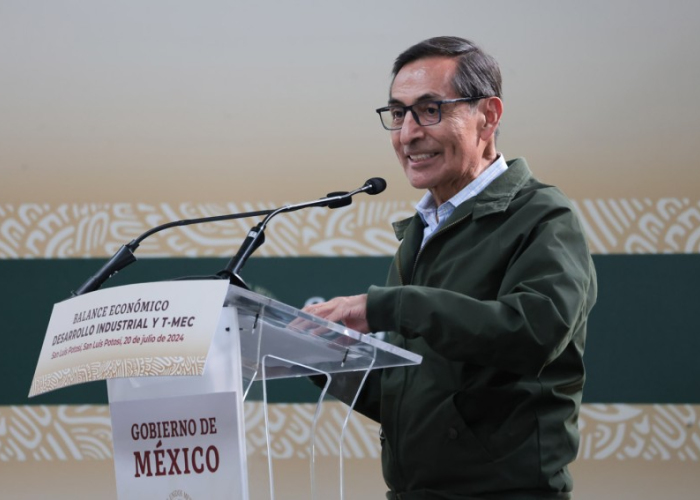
178 376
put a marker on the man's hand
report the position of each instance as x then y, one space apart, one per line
351 311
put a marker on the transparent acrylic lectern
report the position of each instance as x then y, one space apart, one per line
260 339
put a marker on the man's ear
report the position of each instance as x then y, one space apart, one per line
492 109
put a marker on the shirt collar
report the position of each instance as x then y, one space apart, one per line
426 206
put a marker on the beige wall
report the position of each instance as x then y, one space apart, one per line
219 101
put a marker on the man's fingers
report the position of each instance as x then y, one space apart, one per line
350 311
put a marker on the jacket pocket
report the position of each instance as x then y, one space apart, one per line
458 433
442 450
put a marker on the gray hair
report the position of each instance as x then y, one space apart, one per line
477 72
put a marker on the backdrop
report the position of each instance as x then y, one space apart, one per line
118 116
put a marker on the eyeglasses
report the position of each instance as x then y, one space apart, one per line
425 113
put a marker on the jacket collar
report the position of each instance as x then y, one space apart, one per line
498 195
494 199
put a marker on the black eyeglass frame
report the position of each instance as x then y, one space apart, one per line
415 115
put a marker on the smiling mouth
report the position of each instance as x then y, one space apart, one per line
422 157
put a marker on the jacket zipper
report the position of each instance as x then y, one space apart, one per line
435 234
398 264
397 412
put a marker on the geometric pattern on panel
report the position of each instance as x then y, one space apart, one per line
641 226
99 229
612 432
35 230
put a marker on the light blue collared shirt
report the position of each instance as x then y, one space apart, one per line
433 217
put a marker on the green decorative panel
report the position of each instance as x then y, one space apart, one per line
643 340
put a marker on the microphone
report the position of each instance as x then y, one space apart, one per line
256 236
373 186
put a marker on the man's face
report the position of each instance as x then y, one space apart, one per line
444 157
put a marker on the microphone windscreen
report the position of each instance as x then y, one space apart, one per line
376 185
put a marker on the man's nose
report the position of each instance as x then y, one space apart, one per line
410 130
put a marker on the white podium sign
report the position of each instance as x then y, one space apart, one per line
177 448
150 329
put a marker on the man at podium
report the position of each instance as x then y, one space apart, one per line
492 284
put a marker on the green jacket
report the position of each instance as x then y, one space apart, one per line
497 303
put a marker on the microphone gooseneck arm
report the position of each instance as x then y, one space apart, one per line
125 255
188 222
